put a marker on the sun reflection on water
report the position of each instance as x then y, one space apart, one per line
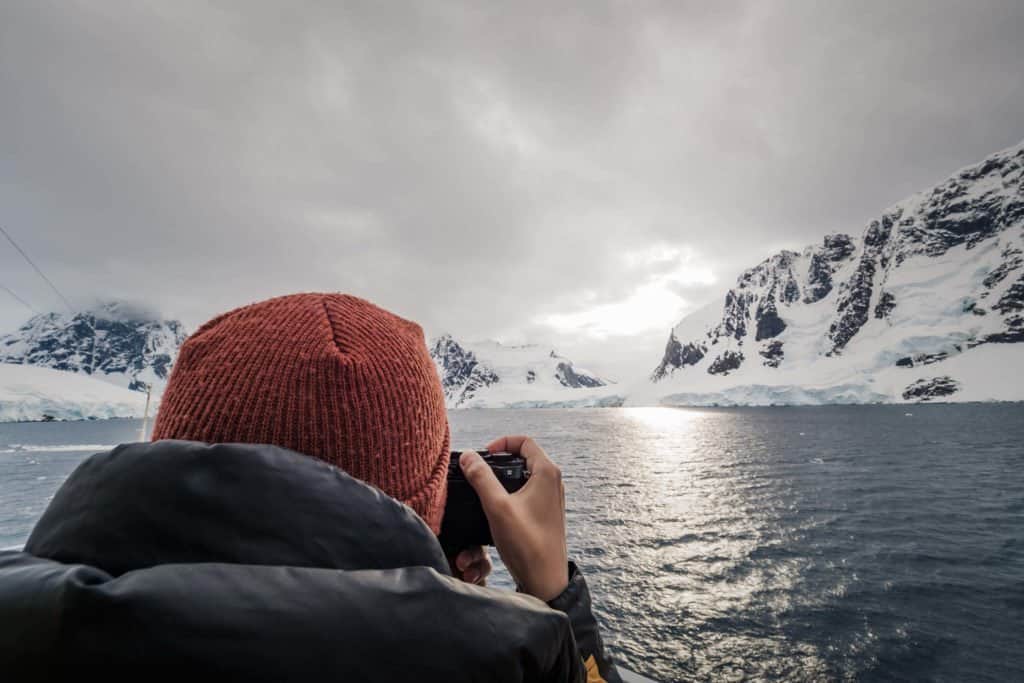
701 527
682 531
664 420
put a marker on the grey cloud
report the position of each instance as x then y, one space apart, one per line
472 165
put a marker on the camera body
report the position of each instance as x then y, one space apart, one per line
465 524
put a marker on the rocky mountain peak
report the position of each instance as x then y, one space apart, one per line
462 374
118 342
471 371
949 259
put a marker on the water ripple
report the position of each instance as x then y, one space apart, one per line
737 548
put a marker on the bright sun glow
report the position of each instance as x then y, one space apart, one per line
664 420
653 305
650 306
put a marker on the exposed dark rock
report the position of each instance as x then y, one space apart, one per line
1012 299
929 358
819 278
923 359
838 247
1010 336
1012 260
928 389
568 377
956 213
734 319
886 302
791 290
769 324
677 355
462 375
878 232
1013 333
957 222
771 271
531 376
824 261
479 378
772 354
1013 211
726 362
981 170
775 275
853 304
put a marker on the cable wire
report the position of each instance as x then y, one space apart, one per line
36 268
19 299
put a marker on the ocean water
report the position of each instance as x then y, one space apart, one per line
870 543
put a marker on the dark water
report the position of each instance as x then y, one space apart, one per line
36 457
798 544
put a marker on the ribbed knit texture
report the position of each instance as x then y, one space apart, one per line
328 375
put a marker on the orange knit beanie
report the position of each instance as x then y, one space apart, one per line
328 375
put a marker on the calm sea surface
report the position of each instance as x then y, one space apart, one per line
797 544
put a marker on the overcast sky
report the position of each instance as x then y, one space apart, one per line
576 174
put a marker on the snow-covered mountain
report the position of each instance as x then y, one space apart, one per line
927 303
490 374
37 393
115 342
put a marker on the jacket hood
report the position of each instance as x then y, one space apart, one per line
169 502
249 562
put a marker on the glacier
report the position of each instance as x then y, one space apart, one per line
30 392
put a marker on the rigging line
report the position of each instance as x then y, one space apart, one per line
36 268
20 300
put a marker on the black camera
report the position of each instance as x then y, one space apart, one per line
464 524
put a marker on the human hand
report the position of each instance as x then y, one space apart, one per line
472 565
528 526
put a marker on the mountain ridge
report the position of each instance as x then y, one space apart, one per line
944 267
489 373
116 341
915 307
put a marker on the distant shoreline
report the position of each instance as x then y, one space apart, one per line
76 419
676 407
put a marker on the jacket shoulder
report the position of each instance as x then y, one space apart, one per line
264 623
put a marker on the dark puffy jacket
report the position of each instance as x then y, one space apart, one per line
256 563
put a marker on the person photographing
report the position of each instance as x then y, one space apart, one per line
283 525
528 526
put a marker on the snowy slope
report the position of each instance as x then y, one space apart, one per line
490 374
33 393
128 346
919 307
